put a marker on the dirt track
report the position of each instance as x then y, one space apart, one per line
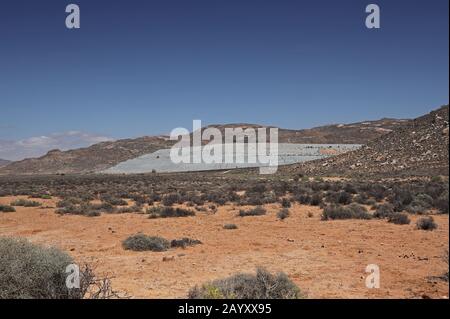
327 259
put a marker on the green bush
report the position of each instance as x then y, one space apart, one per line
141 242
7 209
257 211
263 285
426 223
29 271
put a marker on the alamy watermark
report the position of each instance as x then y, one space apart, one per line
234 147
372 20
373 279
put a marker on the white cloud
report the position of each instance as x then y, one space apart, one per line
39 145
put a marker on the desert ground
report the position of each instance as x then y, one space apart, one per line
326 259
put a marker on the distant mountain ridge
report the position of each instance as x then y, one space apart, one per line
102 156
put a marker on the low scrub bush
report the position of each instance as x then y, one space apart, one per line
303 199
171 199
263 285
116 201
415 209
316 200
28 271
184 242
230 226
441 203
7 209
353 211
25 203
426 223
141 242
361 198
285 203
344 198
283 214
128 209
168 212
201 208
86 209
445 258
399 219
384 211
257 211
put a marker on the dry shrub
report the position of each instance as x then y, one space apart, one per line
263 285
141 242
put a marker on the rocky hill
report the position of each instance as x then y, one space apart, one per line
420 147
104 155
85 160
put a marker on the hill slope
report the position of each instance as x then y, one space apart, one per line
354 133
84 160
104 155
419 147
4 162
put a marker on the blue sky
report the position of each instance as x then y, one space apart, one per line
139 67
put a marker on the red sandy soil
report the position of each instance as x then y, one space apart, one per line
326 259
